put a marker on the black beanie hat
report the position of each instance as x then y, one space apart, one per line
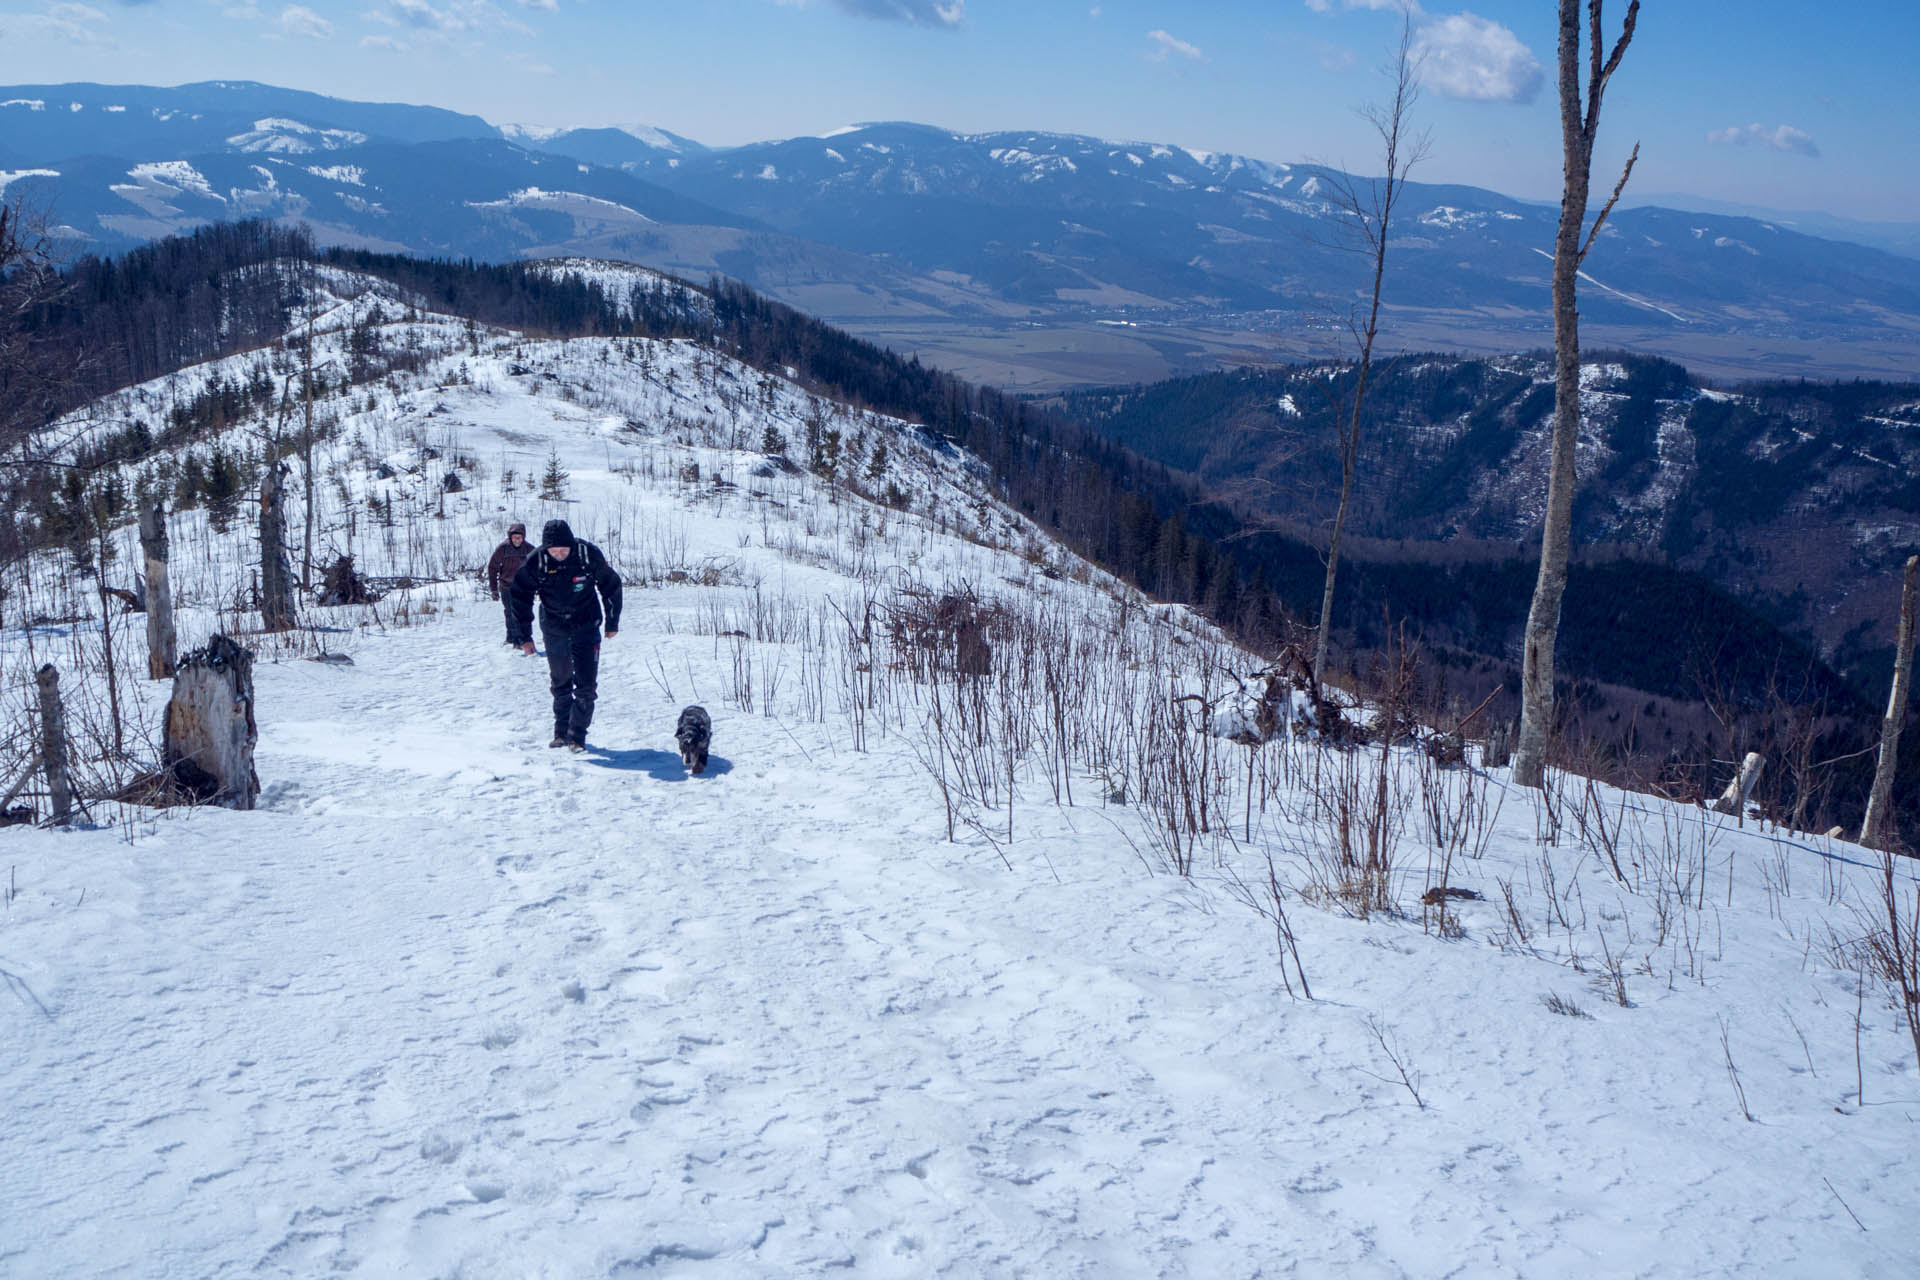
555 534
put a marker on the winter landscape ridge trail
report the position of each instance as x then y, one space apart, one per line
454 1004
450 1003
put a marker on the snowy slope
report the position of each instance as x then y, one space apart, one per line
449 1003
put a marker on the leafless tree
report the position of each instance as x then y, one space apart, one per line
1579 125
306 448
1877 831
1369 207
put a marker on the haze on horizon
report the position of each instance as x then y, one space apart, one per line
1780 108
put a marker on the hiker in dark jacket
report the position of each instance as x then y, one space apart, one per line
570 578
506 561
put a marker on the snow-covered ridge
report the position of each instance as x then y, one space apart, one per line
619 281
531 132
656 138
157 182
291 137
1038 166
539 197
14 175
1450 218
351 174
851 1002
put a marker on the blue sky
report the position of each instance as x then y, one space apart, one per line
1766 102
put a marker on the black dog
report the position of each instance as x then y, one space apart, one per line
694 733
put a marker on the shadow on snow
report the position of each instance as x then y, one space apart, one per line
662 765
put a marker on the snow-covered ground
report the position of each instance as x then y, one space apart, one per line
451 1003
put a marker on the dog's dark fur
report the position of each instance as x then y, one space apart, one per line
694 733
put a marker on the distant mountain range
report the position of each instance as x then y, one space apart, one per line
907 228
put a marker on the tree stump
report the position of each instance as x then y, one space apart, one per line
1499 752
207 749
53 746
276 575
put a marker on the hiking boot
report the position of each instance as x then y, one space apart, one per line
576 744
559 741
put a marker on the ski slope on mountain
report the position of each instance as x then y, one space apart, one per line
451 1003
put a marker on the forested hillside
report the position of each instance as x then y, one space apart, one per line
1801 498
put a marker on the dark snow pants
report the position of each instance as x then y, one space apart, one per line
573 660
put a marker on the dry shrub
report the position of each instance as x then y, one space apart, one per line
343 584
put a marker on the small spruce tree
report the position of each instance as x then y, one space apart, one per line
553 481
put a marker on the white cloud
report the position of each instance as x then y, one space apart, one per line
1464 56
448 20
298 20
545 6
383 42
71 23
1166 46
421 16
1779 138
920 13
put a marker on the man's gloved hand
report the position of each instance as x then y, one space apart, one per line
612 634
527 648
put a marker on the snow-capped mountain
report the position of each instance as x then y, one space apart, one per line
57 122
1053 219
902 228
623 146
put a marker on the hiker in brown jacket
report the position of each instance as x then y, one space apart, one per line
506 561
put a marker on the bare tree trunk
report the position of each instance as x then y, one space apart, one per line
1577 131
107 663
1372 214
1734 798
161 644
53 746
1323 640
276 578
1877 830
207 745
306 463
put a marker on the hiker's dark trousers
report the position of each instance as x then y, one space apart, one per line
573 660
